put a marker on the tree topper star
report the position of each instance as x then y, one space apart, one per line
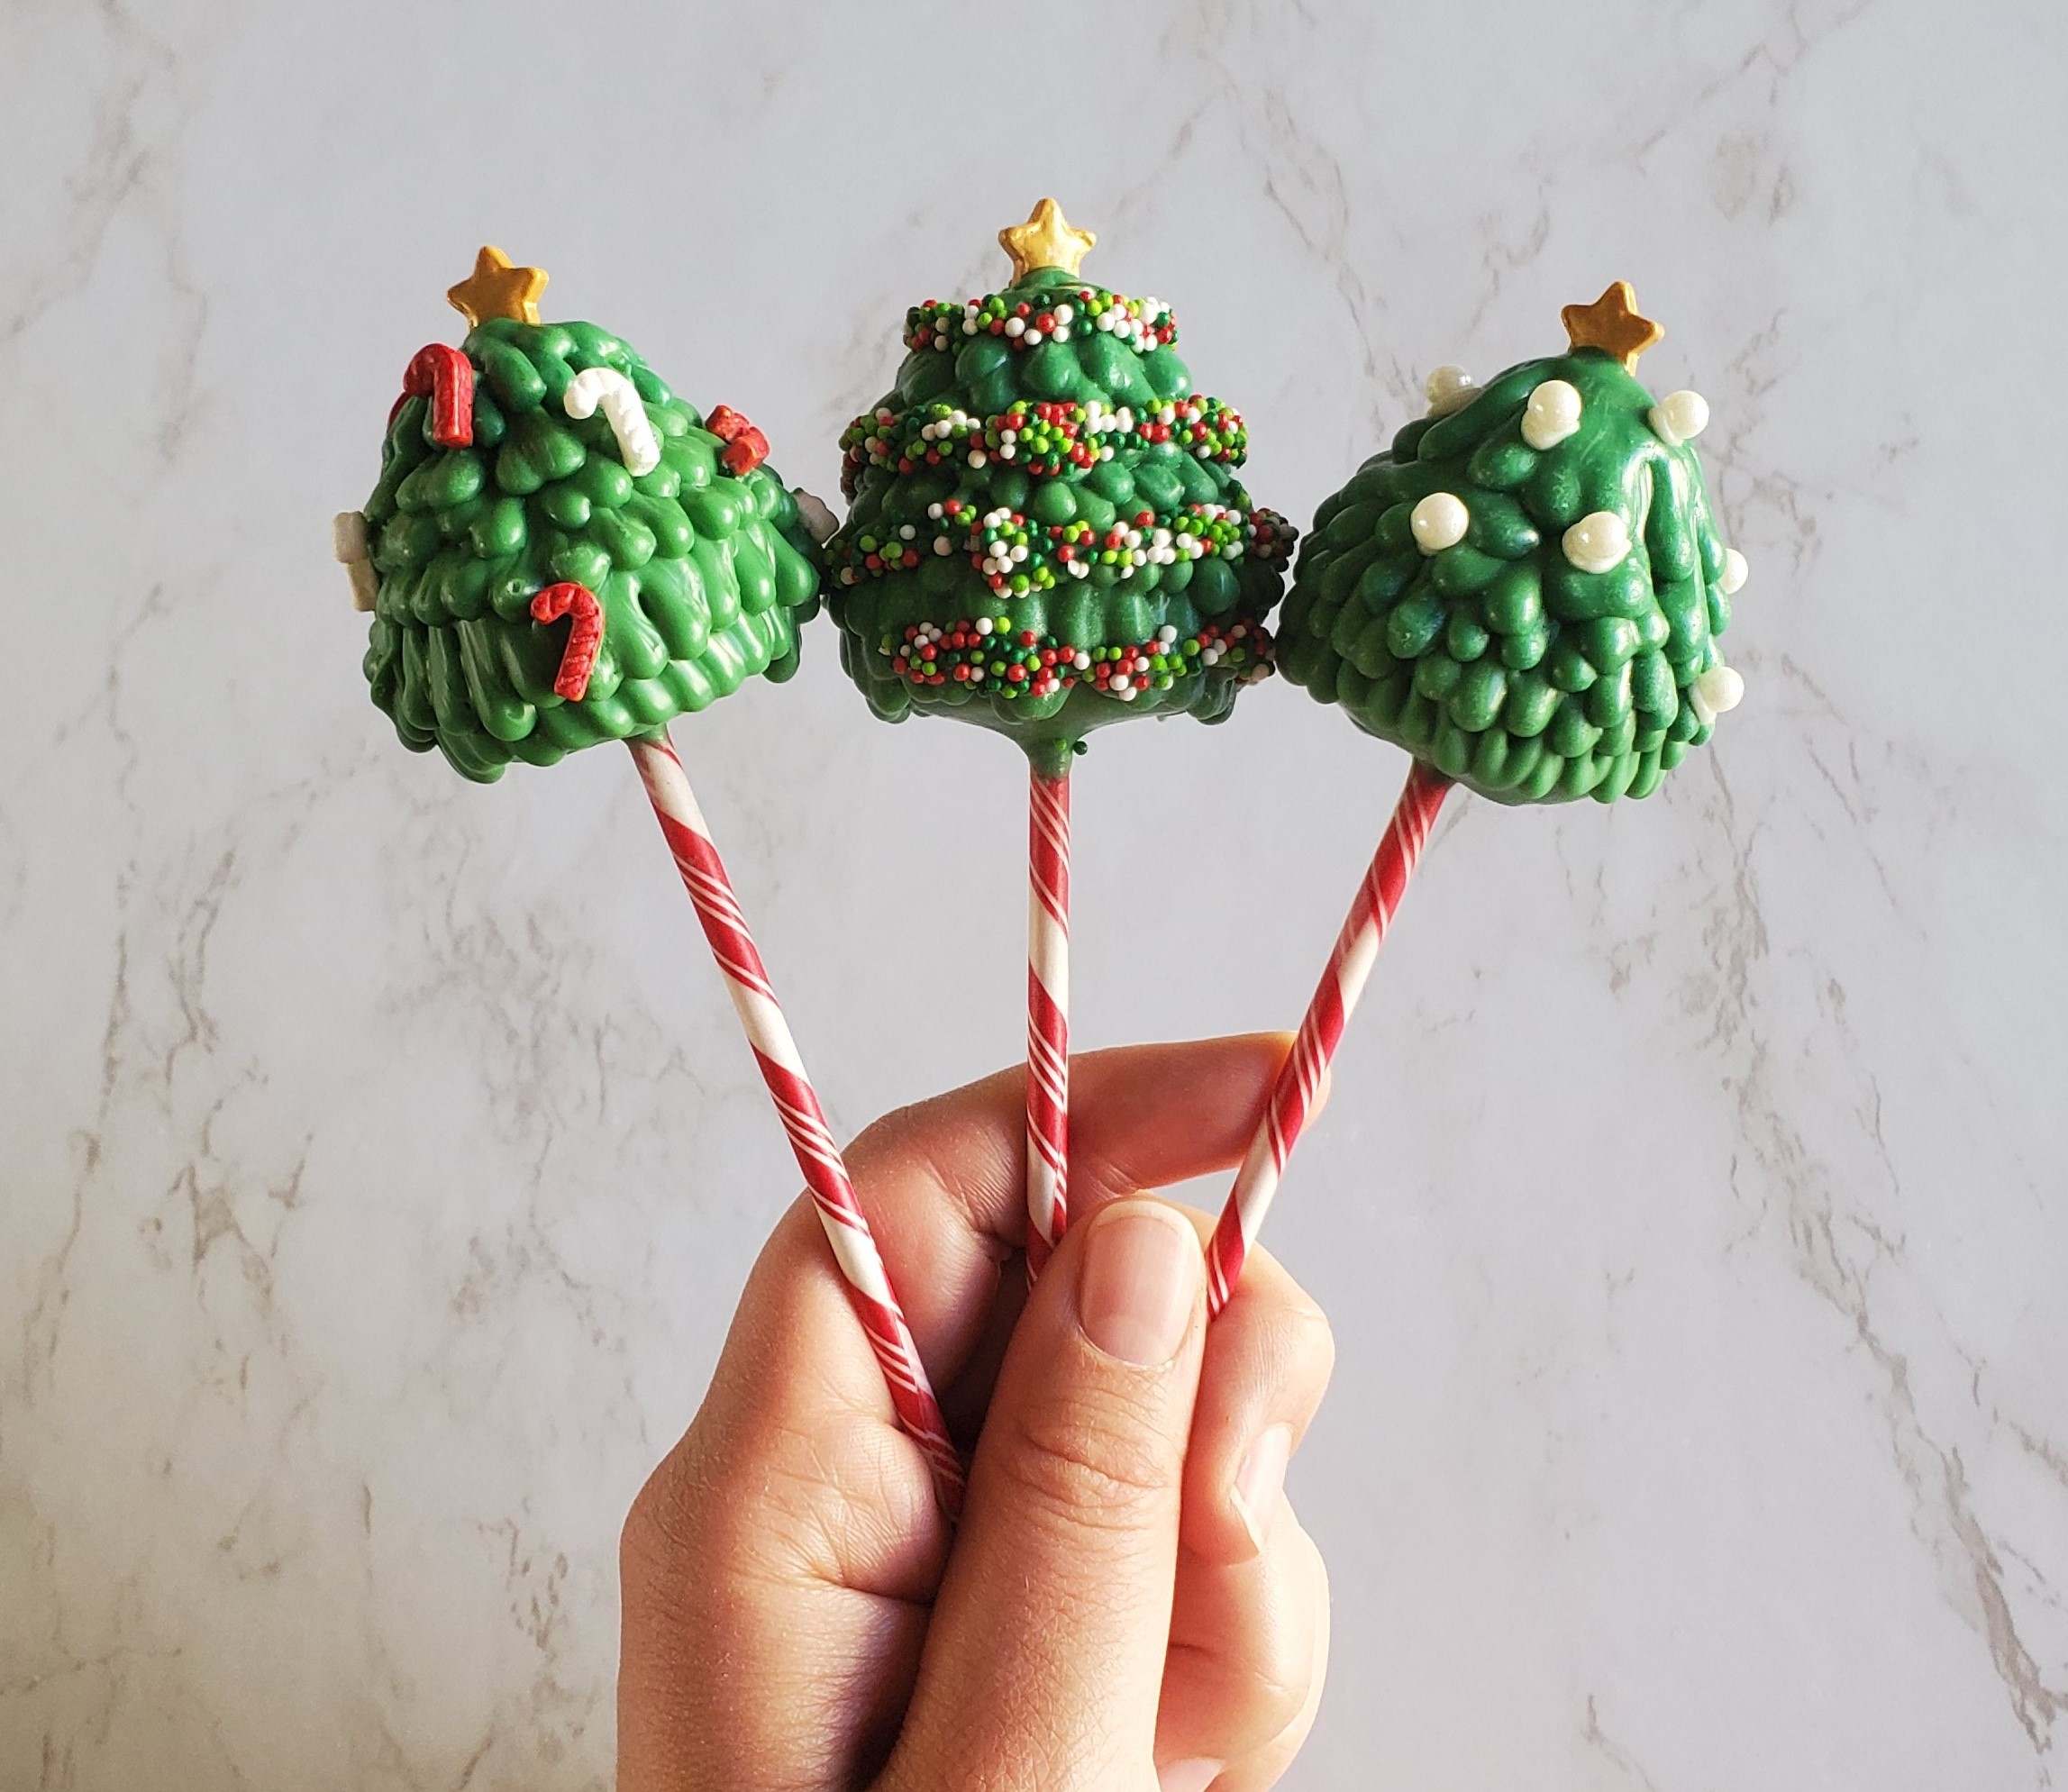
1047 240
1612 323
497 289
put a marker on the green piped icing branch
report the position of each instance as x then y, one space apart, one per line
1044 467
701 569
1526 588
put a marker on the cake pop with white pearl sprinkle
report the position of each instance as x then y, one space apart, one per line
1526 589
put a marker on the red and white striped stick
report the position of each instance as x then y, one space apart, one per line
1048 1016
1349 965
782 1069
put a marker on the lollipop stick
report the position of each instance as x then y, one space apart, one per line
768 1035
1048 1016
1356 947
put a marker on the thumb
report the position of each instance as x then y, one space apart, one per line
1045 1653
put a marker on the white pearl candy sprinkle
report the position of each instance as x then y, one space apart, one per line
1718 689
1679 416
1439 522
1449 388
1735 570
1552 413
1721 689
1598 542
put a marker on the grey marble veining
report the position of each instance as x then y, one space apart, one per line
380 1165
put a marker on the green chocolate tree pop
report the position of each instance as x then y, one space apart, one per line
1046 534
1526 592
1047 531
539 457
1526 589
561 551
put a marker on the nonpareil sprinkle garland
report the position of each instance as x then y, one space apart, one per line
1039 438
987 655
1141 324
1016 554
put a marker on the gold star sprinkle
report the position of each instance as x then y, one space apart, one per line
1047 240
497 289
1612 324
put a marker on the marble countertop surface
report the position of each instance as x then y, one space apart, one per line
380 1163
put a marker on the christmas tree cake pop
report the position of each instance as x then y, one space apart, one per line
1526 591
561 551
1046 534
1527 588
1047 531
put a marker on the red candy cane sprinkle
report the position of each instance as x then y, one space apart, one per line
745 446
585 639
440 373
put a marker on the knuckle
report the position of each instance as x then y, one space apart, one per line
666 1525
1314 1337
1100 1466
1277 1692
1300 1344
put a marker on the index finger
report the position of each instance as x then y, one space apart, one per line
943 1182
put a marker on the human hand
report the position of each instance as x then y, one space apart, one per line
1129 1603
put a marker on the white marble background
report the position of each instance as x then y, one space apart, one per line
380 1165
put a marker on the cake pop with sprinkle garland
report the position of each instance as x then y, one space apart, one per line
1047 534
1526 590
561 551
1047 531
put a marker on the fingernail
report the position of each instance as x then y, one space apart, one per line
1188 1776
1261 1479
1140 1277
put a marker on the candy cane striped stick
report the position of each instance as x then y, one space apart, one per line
1356 949
769 1034
1048 1016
